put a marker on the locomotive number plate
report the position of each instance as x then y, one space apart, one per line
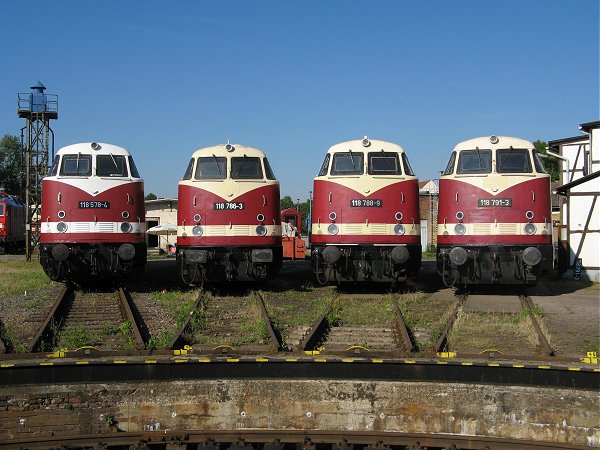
494 202
234 206
366 202
94 204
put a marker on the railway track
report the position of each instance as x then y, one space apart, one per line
283 440
100 320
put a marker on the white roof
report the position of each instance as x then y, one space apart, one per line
101 148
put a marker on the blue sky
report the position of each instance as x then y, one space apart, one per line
164 78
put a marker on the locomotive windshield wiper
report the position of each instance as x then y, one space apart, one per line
505 158
78 156
352 159
387 158
479 156
217 163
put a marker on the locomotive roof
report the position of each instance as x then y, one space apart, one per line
88 148
357 146
221 150
486 142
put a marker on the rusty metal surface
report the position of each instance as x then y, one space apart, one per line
528 306
128 315
52 317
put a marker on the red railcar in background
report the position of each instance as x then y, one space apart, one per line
12 222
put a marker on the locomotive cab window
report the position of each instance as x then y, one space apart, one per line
76 165
111 166
247 168
474 162
450 165
55 164
324 166
347 163
407 168
211 168
188 172
268 171
384 163
513 160
537 161
1 209
133 168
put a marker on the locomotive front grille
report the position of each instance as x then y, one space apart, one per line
352 228
216 230
481 228
105 227
240 230
507 228
81 227
379 229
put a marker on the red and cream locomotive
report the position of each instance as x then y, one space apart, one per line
12 222
93 214
365 219
228 217
494 217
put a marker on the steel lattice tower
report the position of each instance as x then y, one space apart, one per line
36 139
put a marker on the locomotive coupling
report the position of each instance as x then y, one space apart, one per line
458 256
126 252
60 252
331 254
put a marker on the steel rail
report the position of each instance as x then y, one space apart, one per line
442 342
275 343
316 333
527 305
402 330
129 316
177 341
51 318
242 439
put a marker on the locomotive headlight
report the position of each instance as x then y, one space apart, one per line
197 217
529 215
531 256
460 229
261 230
61 227
126 227
332 215
125 215
197 230
398 215
530 228
460 215
399 229
333 229
494 139
61 214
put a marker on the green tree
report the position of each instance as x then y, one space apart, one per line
286 202
551 164
10 164
150 196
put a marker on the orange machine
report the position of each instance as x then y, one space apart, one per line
291 234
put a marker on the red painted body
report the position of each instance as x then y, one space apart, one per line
253 205
532 195
126 197
12 222
392 198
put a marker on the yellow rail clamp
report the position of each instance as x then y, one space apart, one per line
592 358
446 354
262 359
358 347
312 352
183 351
57 354
223 347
